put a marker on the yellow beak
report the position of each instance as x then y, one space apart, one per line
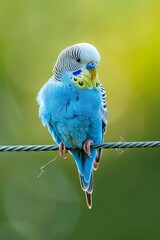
93 74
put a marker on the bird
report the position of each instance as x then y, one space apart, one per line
72 104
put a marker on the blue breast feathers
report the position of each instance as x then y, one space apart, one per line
73 114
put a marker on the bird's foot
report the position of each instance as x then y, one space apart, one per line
87 147
62 150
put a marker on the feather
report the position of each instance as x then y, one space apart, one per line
85 166
89 199
104 125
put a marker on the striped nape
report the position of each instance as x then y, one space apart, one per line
103 94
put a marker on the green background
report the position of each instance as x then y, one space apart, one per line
126 200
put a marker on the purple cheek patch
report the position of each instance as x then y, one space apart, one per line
77 72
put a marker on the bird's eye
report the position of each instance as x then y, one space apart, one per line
78 59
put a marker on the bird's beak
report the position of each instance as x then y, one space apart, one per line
92 69
93 73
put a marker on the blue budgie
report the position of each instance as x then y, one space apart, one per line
73 107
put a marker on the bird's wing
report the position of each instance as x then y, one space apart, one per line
104 124
103 110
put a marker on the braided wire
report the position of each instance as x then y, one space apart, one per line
117 145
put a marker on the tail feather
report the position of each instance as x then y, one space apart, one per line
97 159
88 167
79 158
81 183
86 186
84 163
89 199
85 170
90 188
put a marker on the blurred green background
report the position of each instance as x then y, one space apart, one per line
126 200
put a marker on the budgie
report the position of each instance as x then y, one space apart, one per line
72 104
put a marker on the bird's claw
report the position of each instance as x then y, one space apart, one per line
62 150
87 147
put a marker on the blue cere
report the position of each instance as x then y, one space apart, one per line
77 72
91 65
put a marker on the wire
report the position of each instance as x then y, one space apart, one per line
116 145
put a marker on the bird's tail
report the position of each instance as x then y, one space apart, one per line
85 168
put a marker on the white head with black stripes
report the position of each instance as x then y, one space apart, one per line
78 64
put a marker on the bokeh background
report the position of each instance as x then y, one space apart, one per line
126 201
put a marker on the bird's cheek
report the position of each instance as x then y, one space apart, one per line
89 74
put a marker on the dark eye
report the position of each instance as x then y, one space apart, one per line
78 59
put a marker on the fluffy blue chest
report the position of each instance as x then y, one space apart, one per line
74 115
65 102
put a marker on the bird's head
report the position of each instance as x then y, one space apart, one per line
78 64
